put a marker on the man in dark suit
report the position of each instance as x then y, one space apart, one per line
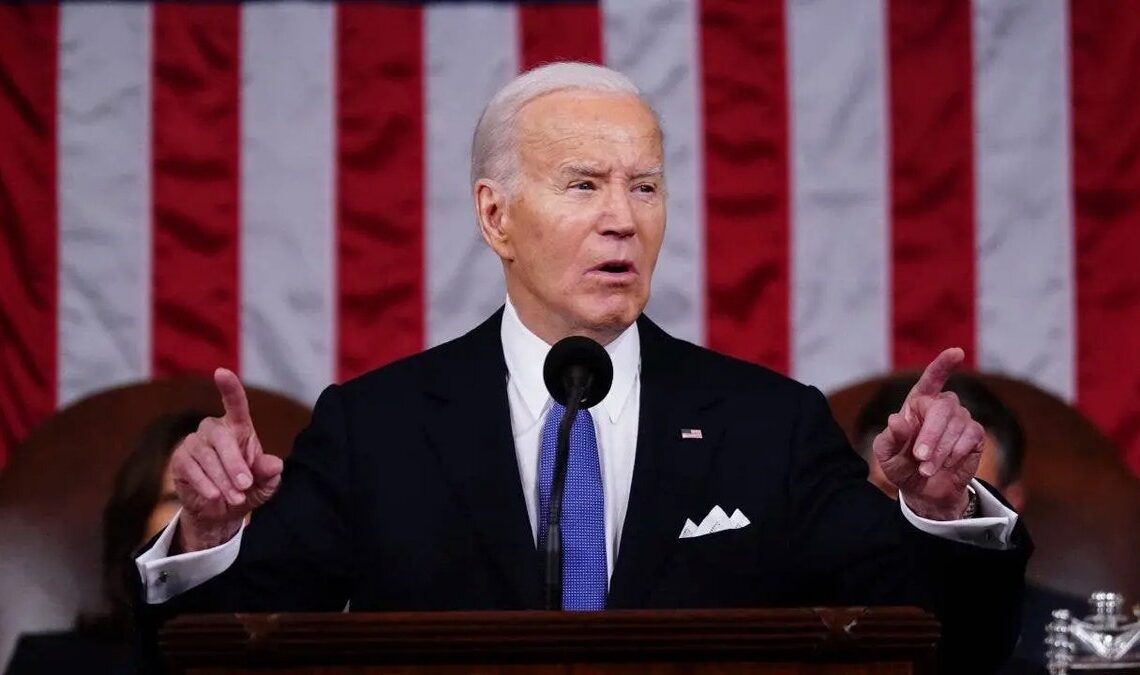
422 485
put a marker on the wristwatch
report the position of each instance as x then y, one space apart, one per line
971 504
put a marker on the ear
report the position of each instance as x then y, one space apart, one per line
1014 493
491 204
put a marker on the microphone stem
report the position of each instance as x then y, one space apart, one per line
553 551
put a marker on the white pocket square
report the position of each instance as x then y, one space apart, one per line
715 521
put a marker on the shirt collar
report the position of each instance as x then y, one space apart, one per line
525 354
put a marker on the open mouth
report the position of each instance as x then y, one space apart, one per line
615 267
616 271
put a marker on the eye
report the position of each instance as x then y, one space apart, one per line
646 188
583 185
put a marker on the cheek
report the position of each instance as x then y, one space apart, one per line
159 518
988 467
653 230
552 248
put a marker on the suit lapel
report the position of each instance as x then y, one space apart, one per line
470 430
667 467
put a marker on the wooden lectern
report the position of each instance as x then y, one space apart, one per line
875 641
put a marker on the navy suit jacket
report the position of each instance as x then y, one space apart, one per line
404 494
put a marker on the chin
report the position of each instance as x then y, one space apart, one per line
612 316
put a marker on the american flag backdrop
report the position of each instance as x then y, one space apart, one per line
282 187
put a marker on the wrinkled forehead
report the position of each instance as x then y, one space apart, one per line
582 125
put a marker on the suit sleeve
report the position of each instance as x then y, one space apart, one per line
295 554
856 548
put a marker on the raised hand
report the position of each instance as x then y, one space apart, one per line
220 471
930 449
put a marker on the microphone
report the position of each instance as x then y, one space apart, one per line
578 374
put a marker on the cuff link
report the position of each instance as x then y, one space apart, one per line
971 503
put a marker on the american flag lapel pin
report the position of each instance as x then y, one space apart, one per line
692 433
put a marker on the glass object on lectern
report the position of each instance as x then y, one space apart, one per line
1105 641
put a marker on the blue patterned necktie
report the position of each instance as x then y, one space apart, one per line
583 511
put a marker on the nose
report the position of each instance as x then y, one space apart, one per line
617 219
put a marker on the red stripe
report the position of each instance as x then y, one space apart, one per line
564 32
195 186
746 179
1105 46
28 225
932 177
380 192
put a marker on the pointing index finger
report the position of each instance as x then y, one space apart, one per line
233 398
936 374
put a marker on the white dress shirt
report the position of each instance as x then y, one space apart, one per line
615 424
615 419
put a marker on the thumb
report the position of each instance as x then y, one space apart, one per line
234 401
266 467
266 476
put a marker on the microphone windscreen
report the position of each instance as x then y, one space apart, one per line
581 351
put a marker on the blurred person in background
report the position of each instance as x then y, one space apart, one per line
142 501
1003 455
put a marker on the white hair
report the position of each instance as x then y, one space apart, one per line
494 148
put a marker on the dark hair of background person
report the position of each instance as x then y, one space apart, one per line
985 407
137 491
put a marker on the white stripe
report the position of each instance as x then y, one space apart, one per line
287 222
470 51
104 197
839 233
1024 207
656 43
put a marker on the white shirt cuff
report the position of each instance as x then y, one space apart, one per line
165 576
992 527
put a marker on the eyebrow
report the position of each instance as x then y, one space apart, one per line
594 171
588 170
652 172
